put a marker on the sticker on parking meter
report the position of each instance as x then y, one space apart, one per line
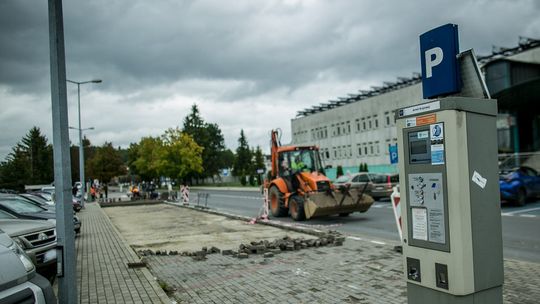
410 122
436 131
419 223
437 154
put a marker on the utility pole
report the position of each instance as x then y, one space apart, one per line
66 267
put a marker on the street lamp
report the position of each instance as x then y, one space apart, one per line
81 150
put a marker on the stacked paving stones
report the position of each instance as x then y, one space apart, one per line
266 248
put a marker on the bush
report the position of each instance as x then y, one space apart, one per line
243 180
252 180
339 171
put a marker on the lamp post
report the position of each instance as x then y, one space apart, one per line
81 149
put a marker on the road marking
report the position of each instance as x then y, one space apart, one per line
378 206
527 215
361 239
521 211
236 196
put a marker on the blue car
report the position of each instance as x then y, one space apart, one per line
519 184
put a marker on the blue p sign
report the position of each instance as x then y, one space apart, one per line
438 50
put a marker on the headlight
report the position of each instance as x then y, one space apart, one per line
19 242
28 265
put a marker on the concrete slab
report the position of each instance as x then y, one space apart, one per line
165 227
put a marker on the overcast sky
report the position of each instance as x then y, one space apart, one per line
247 64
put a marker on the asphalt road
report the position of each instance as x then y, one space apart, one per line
521 225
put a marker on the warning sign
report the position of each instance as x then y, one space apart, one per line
426 119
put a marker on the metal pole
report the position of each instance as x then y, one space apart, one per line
81 148
67 281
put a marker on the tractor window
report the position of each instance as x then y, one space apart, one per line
299 161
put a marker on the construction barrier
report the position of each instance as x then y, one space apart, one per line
263 211
185 194
395 198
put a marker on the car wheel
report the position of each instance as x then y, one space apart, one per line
276 202
521 197
345 214
296 206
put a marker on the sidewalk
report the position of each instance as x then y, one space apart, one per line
102 272
360 271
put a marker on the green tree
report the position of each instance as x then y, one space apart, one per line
209 137
226 158
148 159
30 162
14 171
258 163
180 155
242 163
106 163
39 152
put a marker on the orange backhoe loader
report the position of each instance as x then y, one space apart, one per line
297 185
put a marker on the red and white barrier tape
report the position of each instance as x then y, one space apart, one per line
395 199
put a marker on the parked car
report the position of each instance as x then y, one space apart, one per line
45 202
38 198
37 238
48 198
19 282
23 208
377 185
519 184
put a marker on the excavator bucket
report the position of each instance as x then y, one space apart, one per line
336 202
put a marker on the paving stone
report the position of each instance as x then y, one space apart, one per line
355 272
103 257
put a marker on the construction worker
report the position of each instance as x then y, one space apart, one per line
297 164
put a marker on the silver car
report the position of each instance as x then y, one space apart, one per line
19 282
375 184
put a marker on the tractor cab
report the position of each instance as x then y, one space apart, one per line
299 160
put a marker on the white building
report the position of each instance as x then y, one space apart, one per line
360 128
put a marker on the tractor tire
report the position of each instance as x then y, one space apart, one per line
276 202
296 206
521 197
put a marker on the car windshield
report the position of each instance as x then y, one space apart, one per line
4 215
343 179
379 178
35 198
20 205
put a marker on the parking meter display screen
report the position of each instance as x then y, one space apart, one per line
419 147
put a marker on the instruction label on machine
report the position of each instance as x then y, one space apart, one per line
426 199
436 132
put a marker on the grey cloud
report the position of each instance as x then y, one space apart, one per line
230 55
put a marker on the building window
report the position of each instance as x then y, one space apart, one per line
363 124
376 121
377 148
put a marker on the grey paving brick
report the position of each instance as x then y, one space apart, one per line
357 272
102 272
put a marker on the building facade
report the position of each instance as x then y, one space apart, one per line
361 128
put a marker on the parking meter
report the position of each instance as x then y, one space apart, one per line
452 242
